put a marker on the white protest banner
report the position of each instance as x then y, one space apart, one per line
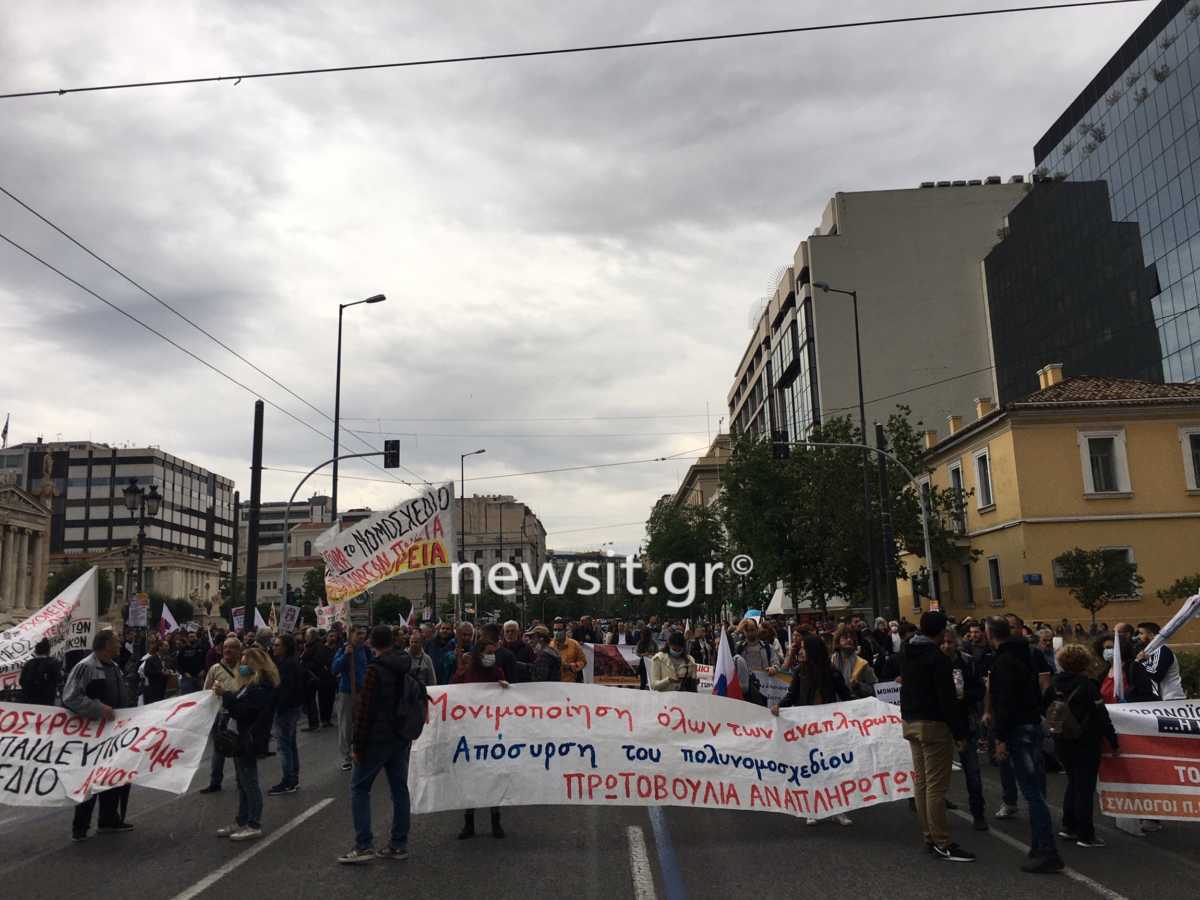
237 617
139 610
416 534
888 692
67 622
51 757
289 618
1157 774
545 743
325 617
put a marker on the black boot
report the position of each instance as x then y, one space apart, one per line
497 830
468 830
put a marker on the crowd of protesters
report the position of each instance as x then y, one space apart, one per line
969 690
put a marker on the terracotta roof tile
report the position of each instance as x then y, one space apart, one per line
1091 389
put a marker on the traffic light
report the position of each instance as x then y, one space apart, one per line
391 454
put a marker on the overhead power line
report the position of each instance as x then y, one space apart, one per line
576 434
595 528
113 268
516 418
563 51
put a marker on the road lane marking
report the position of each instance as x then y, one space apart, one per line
672 876
208 881
1106 892
639 865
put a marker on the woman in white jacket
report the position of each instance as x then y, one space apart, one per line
672 669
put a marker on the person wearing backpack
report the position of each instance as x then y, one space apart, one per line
1078 720
389 714
40 676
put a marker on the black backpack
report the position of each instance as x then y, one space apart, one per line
412 707
39 680
1061 721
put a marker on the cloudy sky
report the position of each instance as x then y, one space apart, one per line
569 245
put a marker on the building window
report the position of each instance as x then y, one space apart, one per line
968 588
1105 467
308 548
993 567
983 479
960 508
1190 439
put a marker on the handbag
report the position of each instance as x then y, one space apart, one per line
226 741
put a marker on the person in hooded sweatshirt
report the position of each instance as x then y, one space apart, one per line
480 666
1080 754
934 726
1015 702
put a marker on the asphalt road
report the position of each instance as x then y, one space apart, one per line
583 852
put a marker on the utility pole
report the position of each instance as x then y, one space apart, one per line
251 602
237 529
889 592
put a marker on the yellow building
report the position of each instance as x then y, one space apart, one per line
1088 462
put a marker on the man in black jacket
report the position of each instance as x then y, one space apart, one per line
289 702
933 725
39 676
970 690
1016 710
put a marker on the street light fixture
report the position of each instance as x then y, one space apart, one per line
462 530
145 504
337 396
862 419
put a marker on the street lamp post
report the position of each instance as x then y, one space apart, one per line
873 581
337 395
462 523
144 503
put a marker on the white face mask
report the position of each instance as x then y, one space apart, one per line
487 660
1108 654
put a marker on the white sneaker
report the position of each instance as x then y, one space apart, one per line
956 766
1006 812
843 819
810 821
228 830
246 834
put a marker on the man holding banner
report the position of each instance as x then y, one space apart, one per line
95 689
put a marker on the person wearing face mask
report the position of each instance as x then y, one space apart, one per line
547 664
224 673
250 704
570 652
482 667
673 669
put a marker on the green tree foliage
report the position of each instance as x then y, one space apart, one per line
687 534
1096 577
182 610
314 585
308 615
391 609
1185 587
61 580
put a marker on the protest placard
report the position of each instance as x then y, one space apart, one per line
416 534
237 616
325 617
139 610
67 622
615 665
1157 774
51 757
546 743
289 617
888 692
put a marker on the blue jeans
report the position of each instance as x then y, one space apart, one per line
188 684
969 758
1025 750
216 773
285 738
250 798
395 763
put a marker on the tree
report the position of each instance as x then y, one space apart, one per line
61 580
1185 587
181 610
391 609
683 534
314 585
1096 577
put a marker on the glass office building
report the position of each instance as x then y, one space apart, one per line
1137 127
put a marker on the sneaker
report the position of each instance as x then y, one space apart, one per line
1068 835
357 856
277 790
79 836
248 833
953 853
393 853
228 830
114 829
292 788
955 766
843 819
346 767
1043 865
950 804
810 821
1152 826
979 823
1006 812
1089 844
211 789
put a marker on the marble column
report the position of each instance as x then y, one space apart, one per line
6 552
40 559
22 592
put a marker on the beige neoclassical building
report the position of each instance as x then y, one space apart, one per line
24 552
